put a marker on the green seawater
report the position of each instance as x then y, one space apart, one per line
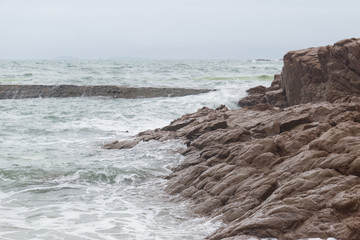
56 180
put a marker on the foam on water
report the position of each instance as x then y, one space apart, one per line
56 182
105 195
246 78
136 73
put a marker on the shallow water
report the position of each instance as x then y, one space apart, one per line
56 182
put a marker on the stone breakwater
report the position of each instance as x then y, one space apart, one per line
270 170
62 91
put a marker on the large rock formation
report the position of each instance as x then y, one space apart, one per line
287 173
330 73
61 91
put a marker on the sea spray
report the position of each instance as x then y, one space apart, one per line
57 182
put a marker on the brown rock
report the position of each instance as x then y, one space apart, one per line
287 173
256 90
121 145
276 98
323 73
330 73
252 100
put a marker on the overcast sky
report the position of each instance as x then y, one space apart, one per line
242 29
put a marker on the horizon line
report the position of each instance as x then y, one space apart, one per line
60 58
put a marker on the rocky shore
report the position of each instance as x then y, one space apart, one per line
62 91
287 164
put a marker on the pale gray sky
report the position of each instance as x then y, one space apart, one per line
242 29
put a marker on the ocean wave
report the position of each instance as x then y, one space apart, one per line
110 175
5 80
262 77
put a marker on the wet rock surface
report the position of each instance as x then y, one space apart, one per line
62 91
270 171
330 73
287 173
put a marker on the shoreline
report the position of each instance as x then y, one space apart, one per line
286 165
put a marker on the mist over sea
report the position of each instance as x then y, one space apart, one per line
56 182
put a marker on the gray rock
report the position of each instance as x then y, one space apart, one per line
63 91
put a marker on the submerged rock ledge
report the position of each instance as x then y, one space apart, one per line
63 91
267 171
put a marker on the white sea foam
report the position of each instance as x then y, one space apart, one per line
56 182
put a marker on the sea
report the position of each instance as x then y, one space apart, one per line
56 180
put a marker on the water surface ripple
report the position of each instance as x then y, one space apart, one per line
56 182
